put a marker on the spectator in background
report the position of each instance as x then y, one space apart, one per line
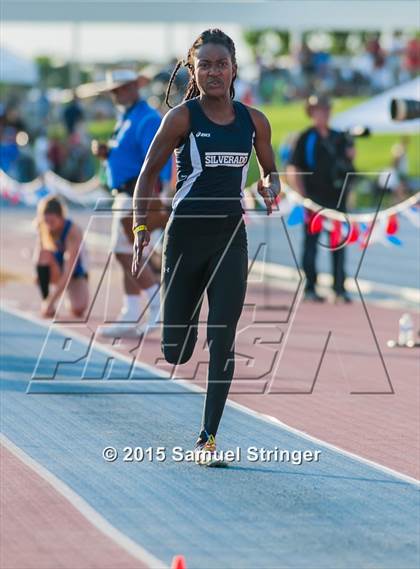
412 56
14 119
9 150
381 74
78 165
306 59
395 53
43 107
321 160
41 148
73 114
23 169
396 180
125 154
373 47
325 79
36 109
56 154
15 153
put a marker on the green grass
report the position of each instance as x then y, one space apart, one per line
101 130
373 153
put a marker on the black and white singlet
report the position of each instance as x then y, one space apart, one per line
212 163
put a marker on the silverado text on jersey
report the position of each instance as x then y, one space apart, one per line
235 159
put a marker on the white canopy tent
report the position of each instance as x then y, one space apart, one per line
16 70
375 113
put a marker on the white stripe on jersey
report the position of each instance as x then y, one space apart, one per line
197 169
244 176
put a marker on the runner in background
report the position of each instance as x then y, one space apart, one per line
60 259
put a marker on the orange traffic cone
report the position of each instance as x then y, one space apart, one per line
178 562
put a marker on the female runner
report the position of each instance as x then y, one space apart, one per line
58 255
205 242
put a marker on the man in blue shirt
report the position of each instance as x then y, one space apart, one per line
124 155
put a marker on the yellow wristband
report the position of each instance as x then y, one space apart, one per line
140 228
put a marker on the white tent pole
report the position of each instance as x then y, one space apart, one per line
169 40
75 54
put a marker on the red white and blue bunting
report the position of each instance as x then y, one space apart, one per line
83 194
344 229
353 228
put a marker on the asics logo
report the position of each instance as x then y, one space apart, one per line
202 134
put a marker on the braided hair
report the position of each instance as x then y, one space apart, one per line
214 36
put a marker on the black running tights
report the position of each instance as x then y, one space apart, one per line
204 255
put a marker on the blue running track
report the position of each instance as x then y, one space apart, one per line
336 513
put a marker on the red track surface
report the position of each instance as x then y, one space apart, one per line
41 530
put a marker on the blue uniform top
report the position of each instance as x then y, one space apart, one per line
80 268
130 142
212 163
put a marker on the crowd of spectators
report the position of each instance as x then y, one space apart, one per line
42 130
36 136
374 68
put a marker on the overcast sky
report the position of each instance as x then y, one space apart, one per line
104 42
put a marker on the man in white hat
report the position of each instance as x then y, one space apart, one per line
125 154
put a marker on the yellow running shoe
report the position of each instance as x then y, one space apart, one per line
205 450
206 453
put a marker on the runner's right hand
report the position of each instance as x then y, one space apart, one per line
141 240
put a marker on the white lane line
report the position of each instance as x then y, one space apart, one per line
287 274
234 404
304 435
84 508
